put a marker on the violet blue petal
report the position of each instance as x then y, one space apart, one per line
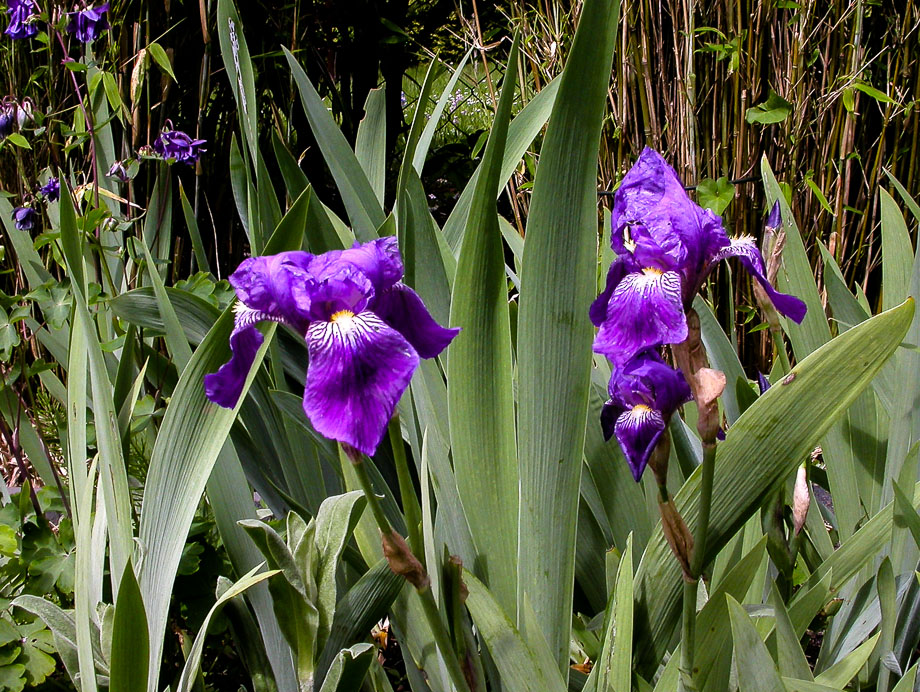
89 23
609 414
378 259
332 287
174 144
24 218
21 12
270 285
745 249
618 269
645 309
644 393
775 220
225 386
763 384
638 431
647 379
51 190
402 308
359 368
7 120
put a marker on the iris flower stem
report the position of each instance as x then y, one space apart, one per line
688 636
698 562
432 614
411 508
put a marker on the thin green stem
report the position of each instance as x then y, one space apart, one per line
698 562
429 607
357 463
688 637
411 508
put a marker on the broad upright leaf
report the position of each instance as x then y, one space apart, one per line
480 396
554 333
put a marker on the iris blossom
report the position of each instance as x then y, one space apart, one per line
666 246
88 23
644 393
365 331
21 14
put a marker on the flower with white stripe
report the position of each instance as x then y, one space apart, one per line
365 332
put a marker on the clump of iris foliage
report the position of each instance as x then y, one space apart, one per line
464 444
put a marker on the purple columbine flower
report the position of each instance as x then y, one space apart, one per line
88 23
51 190
21 13
365 331
174 144
666 245
7 117
644 393
24 218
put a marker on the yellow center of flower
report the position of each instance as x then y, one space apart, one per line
641 408
346 315
652 271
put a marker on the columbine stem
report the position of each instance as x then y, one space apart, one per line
411 509
403 562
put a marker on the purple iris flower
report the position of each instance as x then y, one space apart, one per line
365 331
24 218
51 190
174 144
87 24
666 245
21 12
644 393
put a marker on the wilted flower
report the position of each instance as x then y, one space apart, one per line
118 171
88 23
24 218
666 246
365 332
21 13
174 144
51 190
644 393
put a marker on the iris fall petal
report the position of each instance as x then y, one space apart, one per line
403 309
359 368
225 386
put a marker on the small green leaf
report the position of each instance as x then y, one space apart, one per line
874 93
162 60
822 200
715 194
18 140
774 110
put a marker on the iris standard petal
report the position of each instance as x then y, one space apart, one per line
225 386
645 310
267 285
638 431
647 379
359 368
745 249
338 287
402 308
378 259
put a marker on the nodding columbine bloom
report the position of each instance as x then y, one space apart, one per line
24 218
666 246
88 23
21 14
51 190
174 144
365 331
7 117
644 393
